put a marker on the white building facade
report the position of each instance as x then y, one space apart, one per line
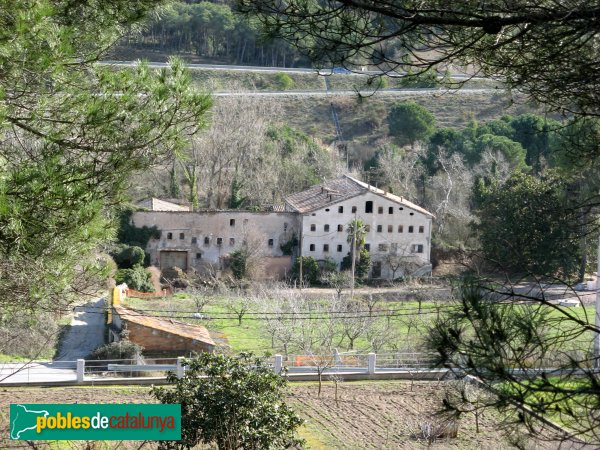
398 231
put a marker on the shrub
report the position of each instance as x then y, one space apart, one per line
123 349
127 256
310 269
284 81
239 263
136 278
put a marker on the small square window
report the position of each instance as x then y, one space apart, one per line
368 247
411 229
382 247
198 255
325 247
379 228
231 242
206 240
311 247
412 214
354 209
421 229
219 241
380 210
390 228
326 227
232 222
340 227
417 248
313 227
194 240
391 210
181 236
340 209
270 243
169 235
400 229
339 248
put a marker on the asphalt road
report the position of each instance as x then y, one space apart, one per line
86 332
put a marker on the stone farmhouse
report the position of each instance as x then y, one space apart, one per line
398 231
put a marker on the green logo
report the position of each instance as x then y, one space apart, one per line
95 422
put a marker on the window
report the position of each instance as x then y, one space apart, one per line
379 228
194 240
326 227
339 248
326 209
245 221
285 225
401 208
391 210
376 270
219 241
325 247
417 248
270 242
390 228
421 229
340 227
181 236
231 242
368 207
382 247
411 229
169 235
206 240
400 229
340 209
198 255
412 214
313 227
354 209
393 247
232 222
368 247
380 210
311 247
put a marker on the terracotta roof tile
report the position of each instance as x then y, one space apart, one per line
186 330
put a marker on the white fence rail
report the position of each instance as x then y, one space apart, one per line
89 370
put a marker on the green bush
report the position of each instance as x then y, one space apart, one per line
363 265
284 81
310 269
136 278
127 256
239 263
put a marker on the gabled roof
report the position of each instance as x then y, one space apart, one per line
335 191
319 196
175 327
156 204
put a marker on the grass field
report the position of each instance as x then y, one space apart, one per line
408 327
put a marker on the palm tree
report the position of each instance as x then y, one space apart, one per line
357 232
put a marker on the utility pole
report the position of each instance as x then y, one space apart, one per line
300 251
353 256
597 322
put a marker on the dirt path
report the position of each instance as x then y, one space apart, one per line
86 332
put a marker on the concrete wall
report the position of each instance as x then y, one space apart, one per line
208 237
401 242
